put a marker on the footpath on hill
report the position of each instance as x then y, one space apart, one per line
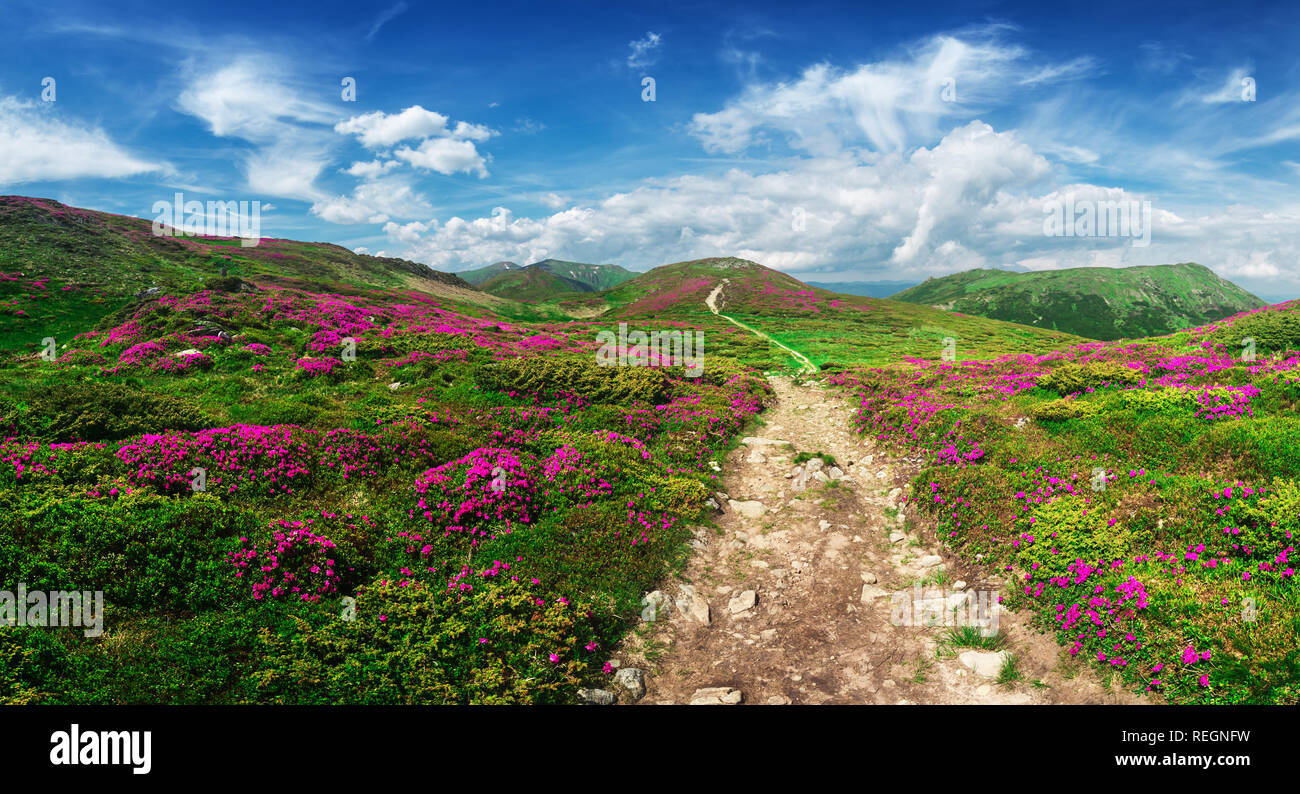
815 585
806 366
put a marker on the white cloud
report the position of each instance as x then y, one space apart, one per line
378 129
244 99
386 16
372 169
247 99
36 145
444 155
887 106
553 200
644 51
374 202
1230 90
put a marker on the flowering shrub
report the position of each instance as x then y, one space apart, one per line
297 564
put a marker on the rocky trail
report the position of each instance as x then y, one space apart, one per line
797 591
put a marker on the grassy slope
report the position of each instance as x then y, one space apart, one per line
79 267
597 277
1095 302
479 275
830 329
185 630
1184 584
531 284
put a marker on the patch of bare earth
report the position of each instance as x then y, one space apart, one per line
823 626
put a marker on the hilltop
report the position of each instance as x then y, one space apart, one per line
1095 302
544 280
96 263
829 328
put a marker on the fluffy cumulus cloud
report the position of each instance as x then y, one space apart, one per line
978 198
429 144
444 149
811 215
374 202
36 144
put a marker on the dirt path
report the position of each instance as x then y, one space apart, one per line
823 570
712 303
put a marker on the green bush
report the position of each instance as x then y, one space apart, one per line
1075 378
551 377
414 645
1066 529
100 412
1273 332
1061 410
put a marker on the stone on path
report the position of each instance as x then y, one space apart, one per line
692 606
749 509
633 680
986 664
716 696
597 697
656 605
743 602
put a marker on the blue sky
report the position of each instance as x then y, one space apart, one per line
833 141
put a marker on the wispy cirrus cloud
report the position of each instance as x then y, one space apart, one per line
644 51
386 16
38 144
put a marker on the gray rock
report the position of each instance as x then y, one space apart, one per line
717 696
986 664
929 561
836 472
743 602
692 606
871 592
633 680
754 441
655 606
779 700
597 697
749 509
896 537
814 465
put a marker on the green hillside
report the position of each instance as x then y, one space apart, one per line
232 459
531 284
1095 302
597 277
479 275
63 269
829 328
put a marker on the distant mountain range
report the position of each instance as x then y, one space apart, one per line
545 279
1096 302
